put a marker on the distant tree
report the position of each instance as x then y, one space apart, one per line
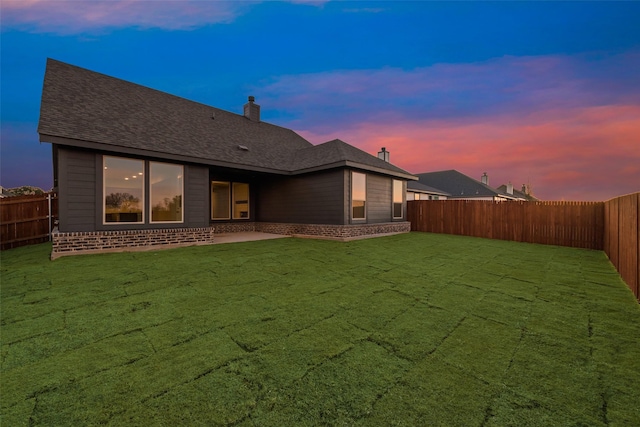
26 190
122 201
170 205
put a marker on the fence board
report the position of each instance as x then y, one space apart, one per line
26 220
612 226
577 224
622 238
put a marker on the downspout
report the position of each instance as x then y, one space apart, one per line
49 215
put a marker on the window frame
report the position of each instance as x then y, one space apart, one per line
397 192
181 166
353 199
234 201
104 192
228 217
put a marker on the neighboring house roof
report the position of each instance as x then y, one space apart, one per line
5 193
516 193
88 109
457 184
419 187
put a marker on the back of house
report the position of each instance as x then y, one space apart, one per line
133 161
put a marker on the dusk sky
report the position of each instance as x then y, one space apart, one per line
546 93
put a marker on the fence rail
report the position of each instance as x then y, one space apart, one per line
26 220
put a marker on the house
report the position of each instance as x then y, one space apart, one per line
136 167
418 191
5 193
457 185
523 195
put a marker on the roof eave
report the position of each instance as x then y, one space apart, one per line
99 146
355 165
399 174
116 149
439 193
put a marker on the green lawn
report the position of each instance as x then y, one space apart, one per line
414 329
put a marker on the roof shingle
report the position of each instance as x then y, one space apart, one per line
456 184
104 112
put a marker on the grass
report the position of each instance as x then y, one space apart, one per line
413 329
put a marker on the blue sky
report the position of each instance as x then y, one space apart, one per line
546 93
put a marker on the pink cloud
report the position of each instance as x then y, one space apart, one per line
589 153
569 125
495 86
73 16
70 17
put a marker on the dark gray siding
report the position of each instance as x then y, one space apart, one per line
196 198
80 194
317 198
346 188
76 190
379 198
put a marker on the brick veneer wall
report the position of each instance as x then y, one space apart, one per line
320 230
138 240
334 231
119 241
235 227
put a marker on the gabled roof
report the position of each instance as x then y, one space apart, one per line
339 153
457 184
88 109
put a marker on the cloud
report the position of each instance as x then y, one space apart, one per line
586 153
77 16
70 17
503 85
568 125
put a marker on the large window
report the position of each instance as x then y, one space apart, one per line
397 198
166 189
229 200
358 195
240 200
220 196
123 190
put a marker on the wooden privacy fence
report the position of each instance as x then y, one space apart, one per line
622 238
576 224
612 226
26 220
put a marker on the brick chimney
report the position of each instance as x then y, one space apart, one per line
252 110
484 179
383 154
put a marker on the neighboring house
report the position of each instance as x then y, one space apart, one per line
136 166
5 193
524 194
418 191
460 186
